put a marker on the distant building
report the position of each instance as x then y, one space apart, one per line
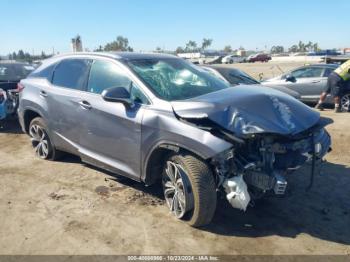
77 45
202 54
241 52
346 51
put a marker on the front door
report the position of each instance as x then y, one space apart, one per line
111 137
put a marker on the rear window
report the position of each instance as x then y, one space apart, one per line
236 77
44 72
72 73
14 72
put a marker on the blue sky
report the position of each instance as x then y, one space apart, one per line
42 24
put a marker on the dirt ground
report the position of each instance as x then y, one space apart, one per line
67 207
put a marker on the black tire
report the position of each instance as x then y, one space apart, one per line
345 103
52 152
200 189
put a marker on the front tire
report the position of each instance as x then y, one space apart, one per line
41 141
189 189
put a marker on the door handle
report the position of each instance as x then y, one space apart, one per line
315 81
85 104
43 93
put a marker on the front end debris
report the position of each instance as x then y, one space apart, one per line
261 164
237 192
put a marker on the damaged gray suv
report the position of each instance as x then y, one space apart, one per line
155 117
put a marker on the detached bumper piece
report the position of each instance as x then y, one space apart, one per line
237 192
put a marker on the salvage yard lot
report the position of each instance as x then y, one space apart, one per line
67 207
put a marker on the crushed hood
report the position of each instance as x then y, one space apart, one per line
246 110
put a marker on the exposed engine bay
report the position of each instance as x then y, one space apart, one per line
264 160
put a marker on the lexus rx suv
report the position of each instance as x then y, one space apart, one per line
155 117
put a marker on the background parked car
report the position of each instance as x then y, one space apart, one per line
230 59
258 58
309 81
237 77
10 75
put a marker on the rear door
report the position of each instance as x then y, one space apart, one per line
64 101
111 135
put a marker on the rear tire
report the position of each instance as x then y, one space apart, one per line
41 141
345 103
189 181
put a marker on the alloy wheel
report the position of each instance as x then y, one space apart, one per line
40 141
345 103
174 187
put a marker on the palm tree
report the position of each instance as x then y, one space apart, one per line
206 43
191 46
301 46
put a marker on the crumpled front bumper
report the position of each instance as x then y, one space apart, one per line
289 157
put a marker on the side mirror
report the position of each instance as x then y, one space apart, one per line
117 94
290 78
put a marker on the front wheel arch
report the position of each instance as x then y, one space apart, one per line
152 170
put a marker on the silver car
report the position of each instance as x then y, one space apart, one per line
153 117
309 81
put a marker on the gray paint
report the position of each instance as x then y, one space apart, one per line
111 135
248 110
122 139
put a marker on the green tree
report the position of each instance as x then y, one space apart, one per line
191 46
20 55
27 57
120 44
293 49
277 49
228 49
179 50
43 55
309 46
206 43
301 47
99 49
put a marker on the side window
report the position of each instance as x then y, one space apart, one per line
307 72
71 73
44 72
137 95
105 74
